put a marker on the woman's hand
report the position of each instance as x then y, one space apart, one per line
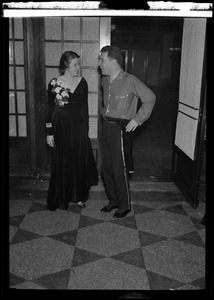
50 140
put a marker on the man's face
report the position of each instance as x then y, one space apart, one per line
105 63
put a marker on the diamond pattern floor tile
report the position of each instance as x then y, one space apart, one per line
129 222
200 283
84 257
149 238
16 220
108 273
156 200
176 260
28 285
159 245
48 222
55 281
134 257
37 207
159 282
14 280
68 237
19 207
107 239
202 233
88 221
39 257
176 209
197 223
164 223
139 209
23 236
74 208
12 232
191 238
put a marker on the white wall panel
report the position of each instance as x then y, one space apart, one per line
75 47
53 28
91 28
53 52
90 54
72 28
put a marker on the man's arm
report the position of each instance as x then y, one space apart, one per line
147 98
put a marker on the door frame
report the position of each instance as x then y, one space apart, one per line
186 172
37 95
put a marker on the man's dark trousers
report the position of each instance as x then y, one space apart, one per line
114 171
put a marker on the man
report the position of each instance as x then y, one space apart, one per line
120 118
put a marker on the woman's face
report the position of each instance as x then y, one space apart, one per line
74 67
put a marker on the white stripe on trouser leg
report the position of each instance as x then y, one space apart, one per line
125 173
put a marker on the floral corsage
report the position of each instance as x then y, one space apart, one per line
61 92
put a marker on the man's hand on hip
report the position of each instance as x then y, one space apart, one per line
132 125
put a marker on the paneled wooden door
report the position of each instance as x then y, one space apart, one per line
191 118
45 41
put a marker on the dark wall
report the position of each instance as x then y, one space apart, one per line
161 34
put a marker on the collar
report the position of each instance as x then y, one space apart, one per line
118 77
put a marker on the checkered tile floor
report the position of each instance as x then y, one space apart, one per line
159 245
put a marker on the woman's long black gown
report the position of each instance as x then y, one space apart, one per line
73 168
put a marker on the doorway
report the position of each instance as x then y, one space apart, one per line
151 50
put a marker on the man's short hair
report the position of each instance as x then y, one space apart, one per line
113 52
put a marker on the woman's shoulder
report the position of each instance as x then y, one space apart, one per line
56 79
83 79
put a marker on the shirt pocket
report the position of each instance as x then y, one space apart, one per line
121 100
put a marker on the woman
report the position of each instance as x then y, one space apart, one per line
73 168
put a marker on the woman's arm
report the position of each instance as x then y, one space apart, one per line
50 109
85 101
49 112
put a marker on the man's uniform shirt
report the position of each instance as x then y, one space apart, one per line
121 98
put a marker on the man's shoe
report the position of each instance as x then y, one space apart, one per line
108 208
122 214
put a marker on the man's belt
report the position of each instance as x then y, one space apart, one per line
119 121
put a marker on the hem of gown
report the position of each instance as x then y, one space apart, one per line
92 184
73 201
66 207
